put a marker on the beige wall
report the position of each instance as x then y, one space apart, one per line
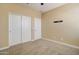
68 30
15 8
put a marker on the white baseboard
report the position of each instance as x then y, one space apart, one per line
4 48
66 44
32 40
36 39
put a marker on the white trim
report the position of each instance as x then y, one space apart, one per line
36 39
66 44
32 40
4 48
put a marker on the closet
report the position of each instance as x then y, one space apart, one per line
20 29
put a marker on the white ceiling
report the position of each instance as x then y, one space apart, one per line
44 8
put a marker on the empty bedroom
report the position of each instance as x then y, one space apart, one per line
39 29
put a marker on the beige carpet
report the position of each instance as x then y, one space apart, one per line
40 47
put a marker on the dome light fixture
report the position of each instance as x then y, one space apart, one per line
42 3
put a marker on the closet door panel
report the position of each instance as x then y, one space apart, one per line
14 29
37 28
26 28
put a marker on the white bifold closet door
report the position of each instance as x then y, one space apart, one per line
14 29
37 28
19 29
26 28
